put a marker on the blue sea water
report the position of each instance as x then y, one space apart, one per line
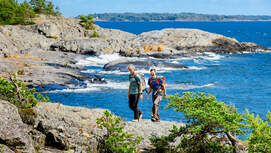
241 79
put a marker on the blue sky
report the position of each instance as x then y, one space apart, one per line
71 8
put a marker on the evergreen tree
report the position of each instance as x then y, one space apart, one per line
12 12
44 7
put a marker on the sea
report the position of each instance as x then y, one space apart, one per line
243 80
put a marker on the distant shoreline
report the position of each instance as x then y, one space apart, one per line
182 17
189 21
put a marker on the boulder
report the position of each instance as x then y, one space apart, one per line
121 65
13 132
48 29
67 127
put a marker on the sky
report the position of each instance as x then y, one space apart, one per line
71 8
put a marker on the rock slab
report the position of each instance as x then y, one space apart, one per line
13 132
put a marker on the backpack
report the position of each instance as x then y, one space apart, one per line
157 80
142 79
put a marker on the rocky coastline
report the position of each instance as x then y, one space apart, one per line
46 53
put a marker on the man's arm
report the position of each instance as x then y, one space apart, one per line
140 91
164 89
140 87
129 91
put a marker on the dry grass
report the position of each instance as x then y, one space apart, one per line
151 47
23 56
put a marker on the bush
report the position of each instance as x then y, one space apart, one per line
260 137
116 140
95 34
87 22
207 121
19 94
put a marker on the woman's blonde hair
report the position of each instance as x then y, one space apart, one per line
131 66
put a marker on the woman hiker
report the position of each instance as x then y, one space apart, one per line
134 92
157 87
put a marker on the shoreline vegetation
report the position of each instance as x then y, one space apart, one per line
178 17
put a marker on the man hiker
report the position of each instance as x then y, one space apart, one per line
134 92
157 87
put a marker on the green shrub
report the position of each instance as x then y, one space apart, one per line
116 140
207 121
260 137
87 22
95 34
19 94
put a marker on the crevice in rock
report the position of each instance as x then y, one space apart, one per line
3 142
40 128
52 141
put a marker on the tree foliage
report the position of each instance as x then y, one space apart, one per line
213 127
116 140
12 12
207 121
44 7
260 137
17 93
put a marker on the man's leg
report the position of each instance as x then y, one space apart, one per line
132 99
137 111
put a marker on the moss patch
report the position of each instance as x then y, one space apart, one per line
28 115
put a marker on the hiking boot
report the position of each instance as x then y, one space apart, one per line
155 120
140 116
135 120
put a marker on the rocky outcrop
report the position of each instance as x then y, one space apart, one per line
180 41
121 65
53 128
13 132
